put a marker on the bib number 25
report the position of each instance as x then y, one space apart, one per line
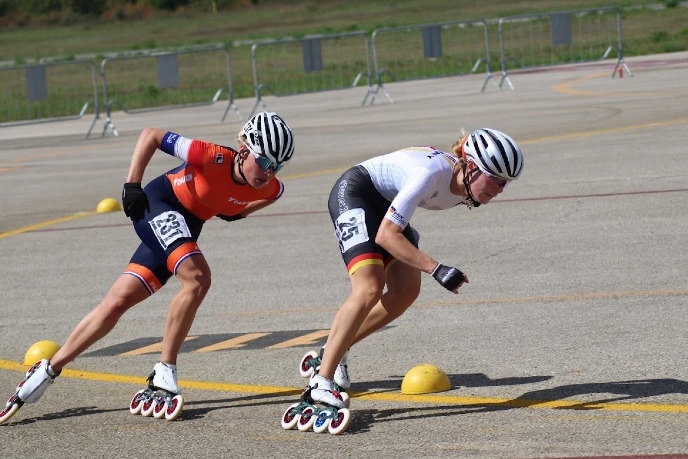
351 229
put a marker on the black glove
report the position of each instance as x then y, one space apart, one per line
448 277
230 218
134 201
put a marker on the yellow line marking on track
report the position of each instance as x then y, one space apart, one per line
492 402
574 135
68 152
310 338
234 343
47 223
579 296
565 88
314 173
434 304
156 347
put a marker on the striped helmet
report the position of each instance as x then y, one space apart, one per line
268 135
495 153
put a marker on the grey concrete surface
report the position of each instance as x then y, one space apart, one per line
569 340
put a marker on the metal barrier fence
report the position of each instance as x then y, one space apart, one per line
560 38
47 92
431 50
310 64
166 80
192 77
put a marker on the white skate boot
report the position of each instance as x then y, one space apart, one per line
37 379
322 390
165 377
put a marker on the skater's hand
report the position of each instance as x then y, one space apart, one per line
230 218
448 277
134 201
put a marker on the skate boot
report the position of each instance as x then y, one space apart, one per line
36 381
321 408
310 363
162 398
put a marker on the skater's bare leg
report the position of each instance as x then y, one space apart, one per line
366 290
194 274
403 287
127 291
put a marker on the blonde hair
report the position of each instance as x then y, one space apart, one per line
457 148
241 138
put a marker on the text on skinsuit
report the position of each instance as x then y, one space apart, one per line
181 180
340 197
396 216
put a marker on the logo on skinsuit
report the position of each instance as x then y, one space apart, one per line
219 158
396 216
182 180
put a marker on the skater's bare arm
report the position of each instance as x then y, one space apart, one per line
149 141
390 238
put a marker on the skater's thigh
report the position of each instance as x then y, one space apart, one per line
194 268
127 291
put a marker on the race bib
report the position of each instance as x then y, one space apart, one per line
350 229
168 227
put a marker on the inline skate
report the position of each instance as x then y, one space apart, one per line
321 408
32 387
162 398
310 363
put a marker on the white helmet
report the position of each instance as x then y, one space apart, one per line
495 153
268 135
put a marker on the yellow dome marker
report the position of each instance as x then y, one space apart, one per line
425 379
39 351
108 205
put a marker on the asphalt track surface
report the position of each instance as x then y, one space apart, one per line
569 340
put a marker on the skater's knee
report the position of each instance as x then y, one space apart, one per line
194 274
197 282
368 294
113 307
405 294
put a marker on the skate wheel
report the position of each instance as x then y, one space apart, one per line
346 399
307 419
305 368
340 422
159 408
290 417
147 406
137 402
322 422
174 407
9 411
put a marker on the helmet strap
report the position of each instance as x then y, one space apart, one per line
239 158
470 201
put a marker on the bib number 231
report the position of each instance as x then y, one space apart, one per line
168 227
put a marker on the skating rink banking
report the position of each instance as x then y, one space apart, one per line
569 341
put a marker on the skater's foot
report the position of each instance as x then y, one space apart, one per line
341 373
165 377
322 390
37 380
